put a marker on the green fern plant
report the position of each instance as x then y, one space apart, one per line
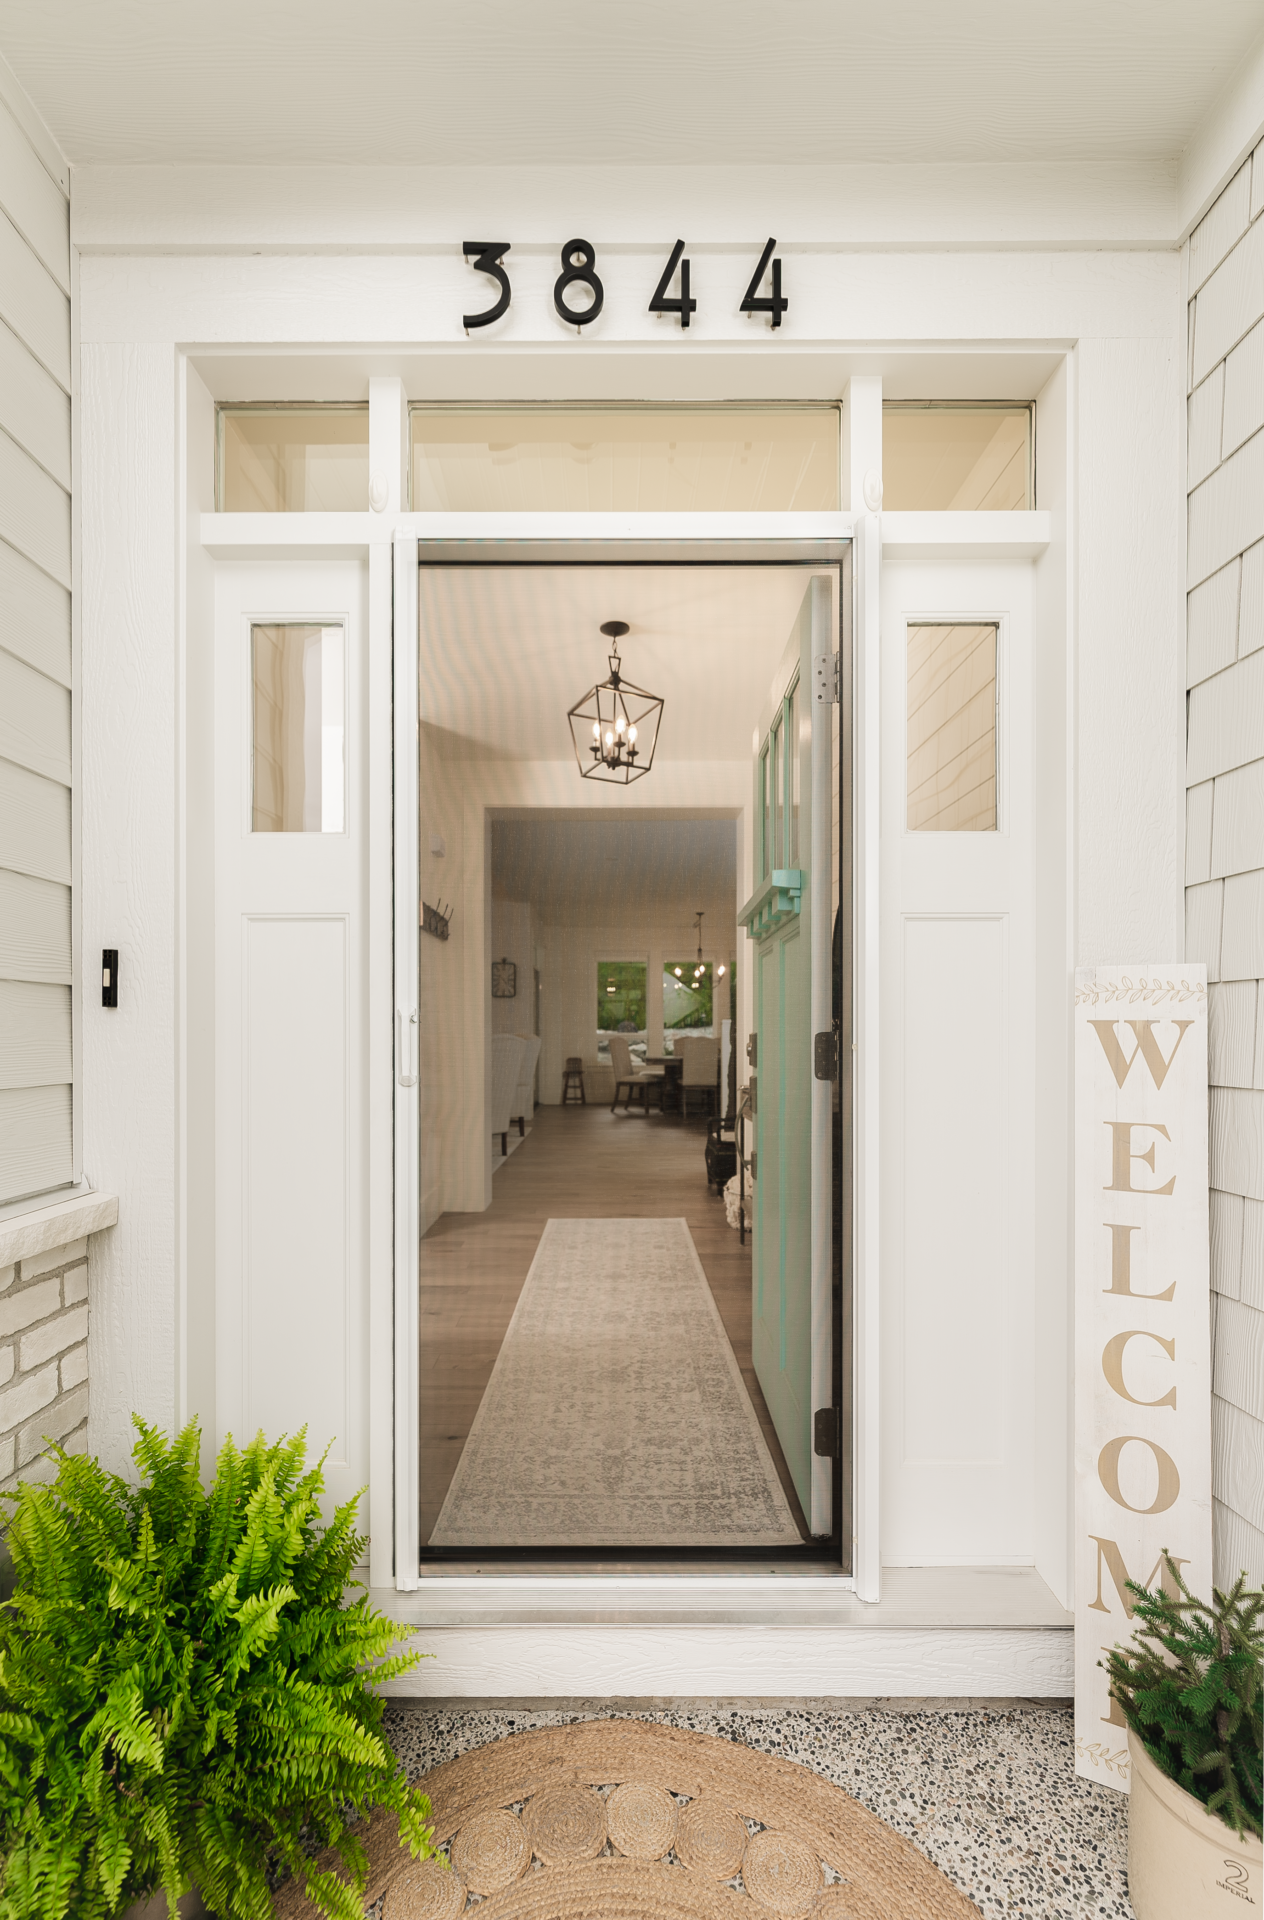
185 1688
1189 1686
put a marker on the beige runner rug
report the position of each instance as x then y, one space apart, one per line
626 1820
616 1414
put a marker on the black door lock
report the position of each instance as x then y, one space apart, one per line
109 976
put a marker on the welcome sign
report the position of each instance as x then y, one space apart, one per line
1142 1332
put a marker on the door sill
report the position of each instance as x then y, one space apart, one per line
959 1633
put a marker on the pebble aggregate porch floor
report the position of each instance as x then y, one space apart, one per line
989 1795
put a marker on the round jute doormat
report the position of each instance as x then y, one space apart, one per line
625 1820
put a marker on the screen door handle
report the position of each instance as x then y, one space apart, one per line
407 1066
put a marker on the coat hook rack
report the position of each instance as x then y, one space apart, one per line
435 920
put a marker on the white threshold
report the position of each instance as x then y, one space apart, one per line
937 1632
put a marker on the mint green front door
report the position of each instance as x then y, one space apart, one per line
778 921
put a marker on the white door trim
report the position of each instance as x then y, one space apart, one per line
406 1039
866 1187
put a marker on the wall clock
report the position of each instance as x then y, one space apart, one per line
504 980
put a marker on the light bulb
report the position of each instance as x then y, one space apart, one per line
678 973
609 738
620 723
596 729
720 971
631 733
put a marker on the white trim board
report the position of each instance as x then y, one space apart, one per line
942 1632
479 1662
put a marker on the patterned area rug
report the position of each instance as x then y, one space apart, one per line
616 1414
624 1820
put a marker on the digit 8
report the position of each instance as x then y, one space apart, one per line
586 254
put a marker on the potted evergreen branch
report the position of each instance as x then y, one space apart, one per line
186 1689
1189 1686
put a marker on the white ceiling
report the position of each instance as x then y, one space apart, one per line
620 867
570 82
506 651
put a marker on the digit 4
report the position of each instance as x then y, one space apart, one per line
661 303
773 304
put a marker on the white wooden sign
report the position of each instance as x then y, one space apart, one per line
1142 1336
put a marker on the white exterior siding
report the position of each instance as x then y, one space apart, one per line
36 1117
1225 821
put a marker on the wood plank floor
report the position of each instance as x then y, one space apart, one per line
576 1163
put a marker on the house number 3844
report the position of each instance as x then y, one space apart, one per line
579 271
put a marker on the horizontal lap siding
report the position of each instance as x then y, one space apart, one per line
36 1035
1224 900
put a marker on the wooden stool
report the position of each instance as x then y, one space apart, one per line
573 1081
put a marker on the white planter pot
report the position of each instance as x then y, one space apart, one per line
1183 1862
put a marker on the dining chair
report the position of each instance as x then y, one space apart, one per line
700 1072
630 1079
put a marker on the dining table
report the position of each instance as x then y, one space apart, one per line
674 1066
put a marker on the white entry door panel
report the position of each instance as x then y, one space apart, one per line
290 929
957 1081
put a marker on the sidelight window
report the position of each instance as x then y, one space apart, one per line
298 759
951 739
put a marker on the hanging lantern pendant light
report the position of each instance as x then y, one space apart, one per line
614 727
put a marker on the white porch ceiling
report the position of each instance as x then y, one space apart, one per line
506 651
566 82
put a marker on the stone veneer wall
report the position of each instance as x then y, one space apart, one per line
1224 897
43 1360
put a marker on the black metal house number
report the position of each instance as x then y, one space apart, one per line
579 269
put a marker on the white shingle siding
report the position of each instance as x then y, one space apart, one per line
1226 719
36 1114
1211 627
1230 303
1224 900
1226 513
1221 228
1243 392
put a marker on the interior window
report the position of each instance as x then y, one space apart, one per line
687 996
942 455
292 459
298 752
951 763
620 1001
727 459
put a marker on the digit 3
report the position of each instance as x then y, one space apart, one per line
579 258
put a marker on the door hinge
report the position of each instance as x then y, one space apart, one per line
825 1055
827 1432
754 1095
754 1174
825 679
752 1049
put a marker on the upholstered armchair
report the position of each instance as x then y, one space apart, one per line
507 1052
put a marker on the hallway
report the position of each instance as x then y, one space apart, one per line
575 1164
